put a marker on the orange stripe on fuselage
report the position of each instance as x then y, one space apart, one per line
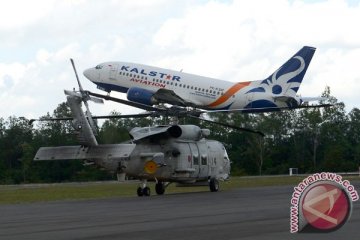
229 93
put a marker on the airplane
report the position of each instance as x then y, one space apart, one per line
149 86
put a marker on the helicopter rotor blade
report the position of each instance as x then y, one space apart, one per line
230 126
77 77
139 115
129 103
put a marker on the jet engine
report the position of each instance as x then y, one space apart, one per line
140 95
188 132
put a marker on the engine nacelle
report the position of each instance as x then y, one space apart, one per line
141 95
188 132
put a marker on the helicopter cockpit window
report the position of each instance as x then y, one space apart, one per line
98 67
203 160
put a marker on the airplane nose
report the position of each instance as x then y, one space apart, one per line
91 74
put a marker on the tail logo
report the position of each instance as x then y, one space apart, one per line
276 84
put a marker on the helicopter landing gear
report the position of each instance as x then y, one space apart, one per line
214 185
143 190
160 188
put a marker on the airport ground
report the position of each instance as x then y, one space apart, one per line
237 213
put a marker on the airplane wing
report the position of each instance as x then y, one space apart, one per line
169 96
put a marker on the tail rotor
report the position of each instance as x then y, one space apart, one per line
85 98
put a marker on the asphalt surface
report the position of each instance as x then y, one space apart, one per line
247 213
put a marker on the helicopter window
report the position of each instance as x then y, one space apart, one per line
203 160
195 160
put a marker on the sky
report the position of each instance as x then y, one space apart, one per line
230 40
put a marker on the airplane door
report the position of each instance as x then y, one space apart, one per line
113 71
204 161
195 159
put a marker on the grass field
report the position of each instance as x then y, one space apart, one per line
12 194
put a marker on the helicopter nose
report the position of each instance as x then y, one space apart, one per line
91 74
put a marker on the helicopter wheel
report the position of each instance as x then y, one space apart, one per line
146 191
160 188
214 185
139 192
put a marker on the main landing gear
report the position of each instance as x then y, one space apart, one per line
214 185
144 190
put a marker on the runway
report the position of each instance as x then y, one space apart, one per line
246 213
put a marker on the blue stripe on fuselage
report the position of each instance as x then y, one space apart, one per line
111 87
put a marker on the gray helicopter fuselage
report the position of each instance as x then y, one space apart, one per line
178 160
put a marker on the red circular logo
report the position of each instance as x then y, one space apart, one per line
326 206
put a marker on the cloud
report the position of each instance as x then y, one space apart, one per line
230 40
241 41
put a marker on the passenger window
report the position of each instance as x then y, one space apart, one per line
196 160
203 160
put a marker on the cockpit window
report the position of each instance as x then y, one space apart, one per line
99 67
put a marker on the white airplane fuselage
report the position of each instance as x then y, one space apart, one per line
142 84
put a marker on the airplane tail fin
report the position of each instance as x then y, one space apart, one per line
286 80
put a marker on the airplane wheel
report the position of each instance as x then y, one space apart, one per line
146 191
214 185
139 192
160 188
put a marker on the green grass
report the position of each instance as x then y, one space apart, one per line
51 192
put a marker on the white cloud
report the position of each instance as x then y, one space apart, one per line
19 13
231 40
241 41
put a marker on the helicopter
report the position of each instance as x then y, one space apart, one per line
164 154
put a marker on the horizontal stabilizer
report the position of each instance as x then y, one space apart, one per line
313 99
107 151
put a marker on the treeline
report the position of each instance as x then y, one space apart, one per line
312 140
